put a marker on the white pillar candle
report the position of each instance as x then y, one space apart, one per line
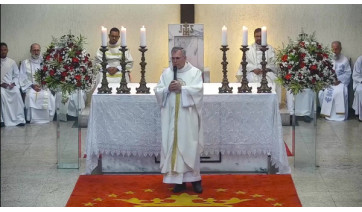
143 36
224 41
263 36
245 36
123 36
104 36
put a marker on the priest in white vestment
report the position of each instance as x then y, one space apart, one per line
39 103
181 104
113 57
12 105
334 99
357 87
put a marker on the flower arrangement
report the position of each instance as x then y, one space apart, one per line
66 66
305 64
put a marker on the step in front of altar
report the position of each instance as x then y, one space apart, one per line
150 164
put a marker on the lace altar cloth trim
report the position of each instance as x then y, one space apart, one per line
234 124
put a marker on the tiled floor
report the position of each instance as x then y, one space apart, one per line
29 174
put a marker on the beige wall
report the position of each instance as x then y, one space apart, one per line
330 22
22 25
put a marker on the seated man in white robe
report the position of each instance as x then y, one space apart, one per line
113 57
180 95
253 57
12 105
357 87
39 103
334 99
254 68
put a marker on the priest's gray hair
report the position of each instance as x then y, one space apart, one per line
177 48
338 42
31 47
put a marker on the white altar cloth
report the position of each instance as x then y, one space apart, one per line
234 124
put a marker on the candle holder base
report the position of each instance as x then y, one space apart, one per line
123 89
143 89
264 88
104 89
244 81
225 88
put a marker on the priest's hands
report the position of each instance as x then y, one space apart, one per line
112 70
257 71
175 86
36 87
8 86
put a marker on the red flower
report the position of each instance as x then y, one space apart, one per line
302 65
86 77
77 77
45 68
325 55
285 58
43 82
319 46
302 55
75 60
79 84
288 76
64 74
48 58
290 66
51 72
302 44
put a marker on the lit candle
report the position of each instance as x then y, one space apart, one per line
263 36
104 36
143 36
245 36
123 36
224 41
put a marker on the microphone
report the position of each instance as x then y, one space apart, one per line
175 73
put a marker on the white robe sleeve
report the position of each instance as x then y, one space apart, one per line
15 74
271 59
25 83
357 73
192 94
345 75
161 91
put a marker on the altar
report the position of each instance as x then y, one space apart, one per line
240 131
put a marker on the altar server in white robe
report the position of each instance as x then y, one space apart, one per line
113 57
357 87
182 137
334 99
12 105
254 68
253 57
39 103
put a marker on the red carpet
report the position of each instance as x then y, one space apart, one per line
149 191
289 153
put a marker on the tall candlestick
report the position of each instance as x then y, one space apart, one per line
263 36
143 36
224 41
245 36
104 36
123 36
